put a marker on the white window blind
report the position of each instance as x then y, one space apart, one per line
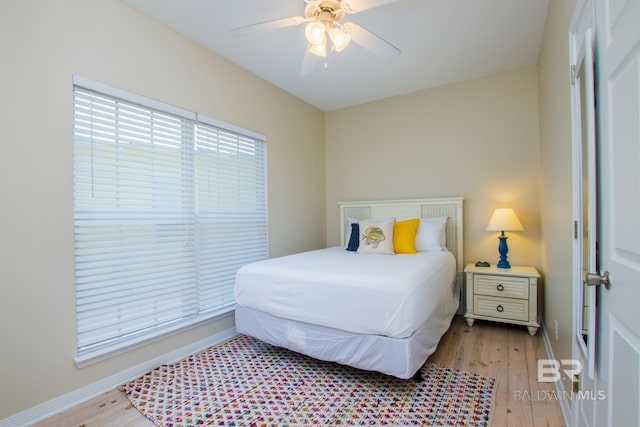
167 208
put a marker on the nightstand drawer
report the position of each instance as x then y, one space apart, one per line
501 308
500 286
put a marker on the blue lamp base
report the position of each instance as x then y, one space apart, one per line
503 249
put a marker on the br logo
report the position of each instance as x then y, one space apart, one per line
549 369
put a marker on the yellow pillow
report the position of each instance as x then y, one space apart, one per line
404 236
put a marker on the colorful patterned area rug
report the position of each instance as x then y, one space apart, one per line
245 382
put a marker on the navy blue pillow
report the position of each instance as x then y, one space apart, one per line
354 239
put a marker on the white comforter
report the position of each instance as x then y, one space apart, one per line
390 295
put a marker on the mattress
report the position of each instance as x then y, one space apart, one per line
389 295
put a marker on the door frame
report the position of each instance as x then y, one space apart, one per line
583 118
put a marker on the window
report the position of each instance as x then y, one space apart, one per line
167 207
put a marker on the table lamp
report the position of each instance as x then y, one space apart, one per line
504 219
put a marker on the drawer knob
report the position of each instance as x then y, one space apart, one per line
500 287
500 309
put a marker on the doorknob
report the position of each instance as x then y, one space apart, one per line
594 279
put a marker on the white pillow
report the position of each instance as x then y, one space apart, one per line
376 237
431 234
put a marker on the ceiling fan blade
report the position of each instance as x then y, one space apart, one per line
355 6
309 63
371 42
267 25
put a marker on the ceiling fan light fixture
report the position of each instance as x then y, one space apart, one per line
315 32
339 38
319 49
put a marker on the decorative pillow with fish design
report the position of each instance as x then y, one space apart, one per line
376 237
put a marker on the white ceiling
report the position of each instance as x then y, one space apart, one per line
442 42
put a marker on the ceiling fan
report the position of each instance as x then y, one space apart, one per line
324 23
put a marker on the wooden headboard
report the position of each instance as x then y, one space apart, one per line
414 208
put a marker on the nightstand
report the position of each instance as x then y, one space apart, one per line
508 295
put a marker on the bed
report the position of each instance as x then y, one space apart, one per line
382 313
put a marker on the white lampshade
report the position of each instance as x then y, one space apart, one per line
339 38
504 219
319 49
315 32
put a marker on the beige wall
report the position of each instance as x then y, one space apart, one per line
43 43
477 139
556 191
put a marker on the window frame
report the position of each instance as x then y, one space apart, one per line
111 347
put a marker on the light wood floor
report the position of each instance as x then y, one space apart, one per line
510 355
507 353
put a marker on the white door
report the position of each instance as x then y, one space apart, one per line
618 115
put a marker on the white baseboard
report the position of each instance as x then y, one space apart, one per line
564 403
69 400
